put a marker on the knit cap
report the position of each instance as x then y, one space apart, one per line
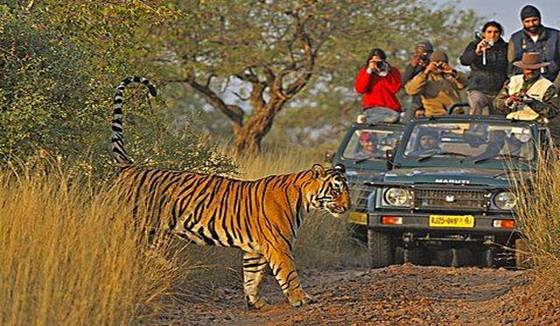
530 11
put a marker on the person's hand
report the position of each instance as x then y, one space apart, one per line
447 69
515 99
510 100
372 65
481 47
420 113
415 60
431 67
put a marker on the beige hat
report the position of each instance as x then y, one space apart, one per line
530 60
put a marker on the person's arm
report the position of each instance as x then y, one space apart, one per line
409 73
460 80
550 105
469 56
364 80
416 85
510 56
500 102
556 59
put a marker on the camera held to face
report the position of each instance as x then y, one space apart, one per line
382 66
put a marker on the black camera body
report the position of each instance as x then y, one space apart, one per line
382 66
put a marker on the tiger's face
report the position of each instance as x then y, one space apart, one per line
329 191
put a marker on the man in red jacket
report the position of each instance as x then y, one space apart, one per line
379 83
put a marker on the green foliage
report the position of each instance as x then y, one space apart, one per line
223 44
56 98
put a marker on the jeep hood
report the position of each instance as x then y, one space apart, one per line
454 176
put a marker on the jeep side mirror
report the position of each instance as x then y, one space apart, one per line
389 154
389 157
329 157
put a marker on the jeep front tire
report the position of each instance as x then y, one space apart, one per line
380 248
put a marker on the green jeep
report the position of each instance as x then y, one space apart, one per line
364 154
448 196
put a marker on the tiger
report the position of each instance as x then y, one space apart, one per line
260 217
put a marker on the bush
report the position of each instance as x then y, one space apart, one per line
52 105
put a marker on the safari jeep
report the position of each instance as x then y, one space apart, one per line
364 153
448 196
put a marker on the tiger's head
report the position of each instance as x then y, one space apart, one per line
328 189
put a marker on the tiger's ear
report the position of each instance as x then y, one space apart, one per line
318 171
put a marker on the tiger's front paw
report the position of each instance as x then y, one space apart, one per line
258 304
302 299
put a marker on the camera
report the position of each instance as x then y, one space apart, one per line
439 65
425 56
382 65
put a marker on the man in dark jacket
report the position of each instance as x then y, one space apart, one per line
418 62
487 57
534 37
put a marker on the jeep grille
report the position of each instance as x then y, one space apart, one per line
450 199
359 194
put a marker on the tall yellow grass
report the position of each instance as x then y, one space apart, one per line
70 257
539 214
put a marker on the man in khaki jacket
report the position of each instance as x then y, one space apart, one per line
530 95
438 85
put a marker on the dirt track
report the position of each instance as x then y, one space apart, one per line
398 295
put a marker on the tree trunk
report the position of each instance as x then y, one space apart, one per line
248 137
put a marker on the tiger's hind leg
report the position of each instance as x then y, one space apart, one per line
284 269
253 273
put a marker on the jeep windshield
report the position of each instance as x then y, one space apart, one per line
370 144
470 141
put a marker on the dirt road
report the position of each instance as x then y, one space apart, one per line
398 295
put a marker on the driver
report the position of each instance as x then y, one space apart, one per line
500 143
367 145
427 142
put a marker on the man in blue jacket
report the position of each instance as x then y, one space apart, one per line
534 37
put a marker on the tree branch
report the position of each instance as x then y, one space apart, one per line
233 112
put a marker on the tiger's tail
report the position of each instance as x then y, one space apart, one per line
119 153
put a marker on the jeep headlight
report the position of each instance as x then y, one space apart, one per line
505 200
398 197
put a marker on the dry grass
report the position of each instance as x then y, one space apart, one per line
70 257
539 218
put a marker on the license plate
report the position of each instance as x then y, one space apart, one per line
453 221
357 218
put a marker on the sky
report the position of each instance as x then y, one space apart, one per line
506 12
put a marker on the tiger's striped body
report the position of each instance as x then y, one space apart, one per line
260 217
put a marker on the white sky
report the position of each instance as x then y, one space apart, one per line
506 12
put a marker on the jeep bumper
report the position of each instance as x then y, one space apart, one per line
438 223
